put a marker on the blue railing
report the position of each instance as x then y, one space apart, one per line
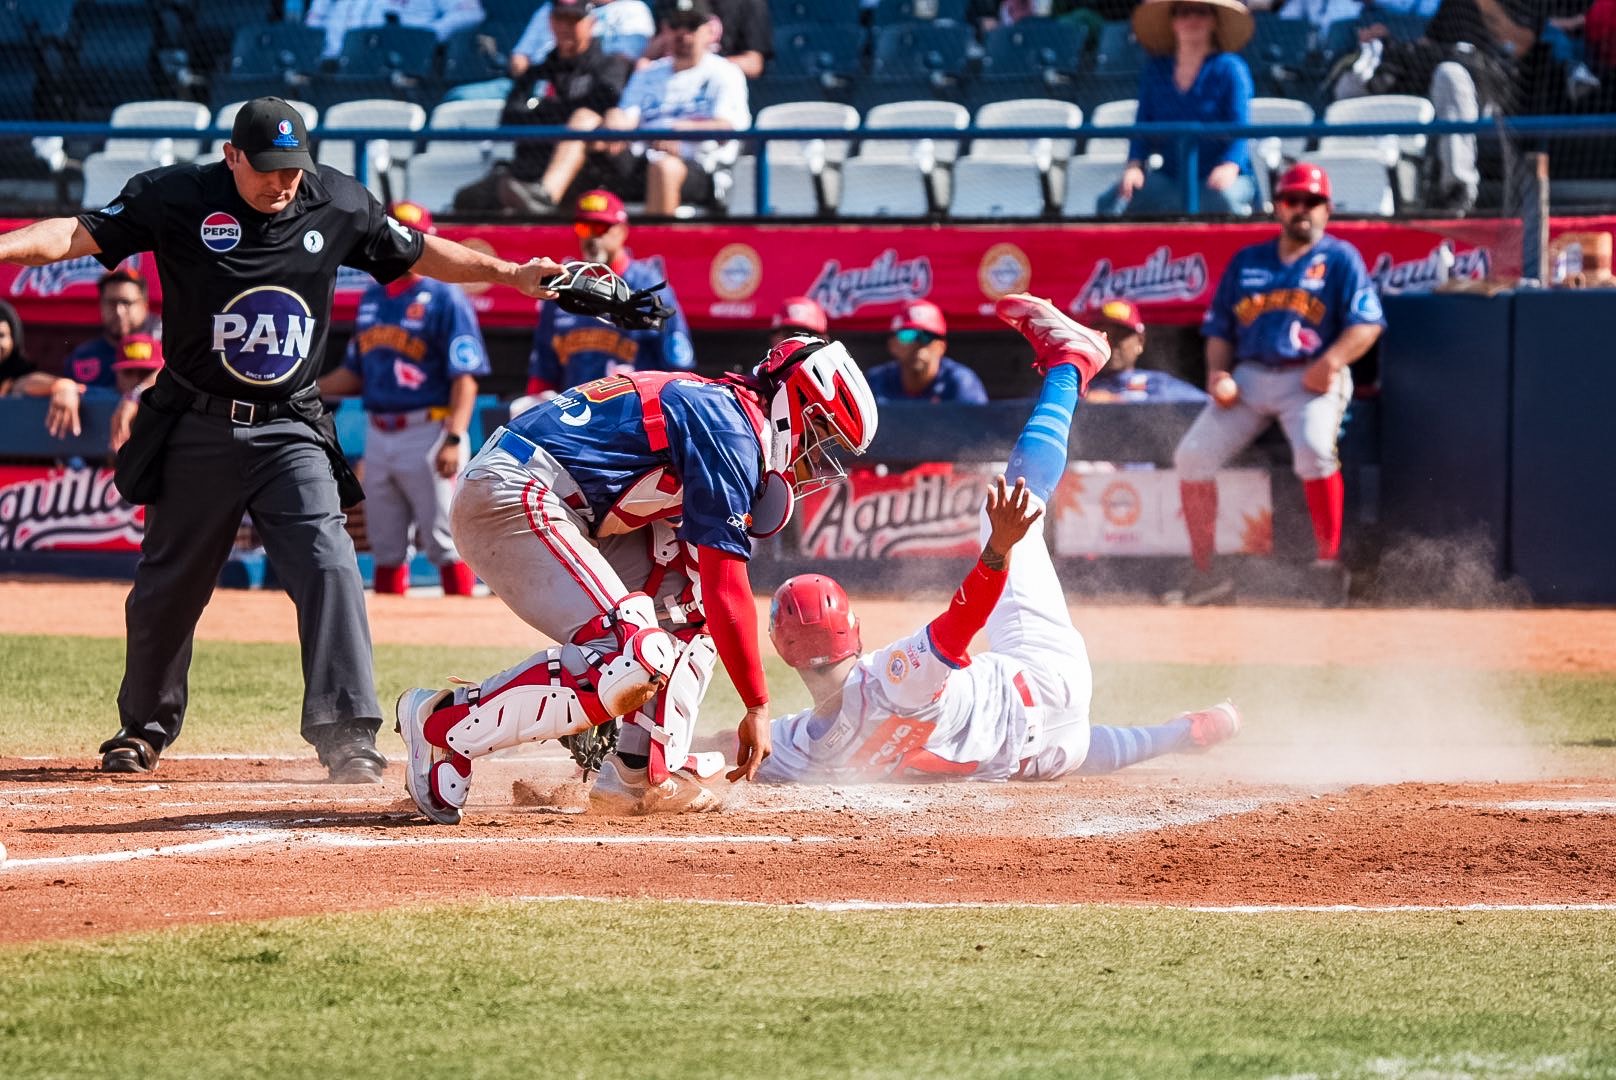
1186 135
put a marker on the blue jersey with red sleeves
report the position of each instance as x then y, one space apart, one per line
569 350
412 340
1278 315
91 363
708 474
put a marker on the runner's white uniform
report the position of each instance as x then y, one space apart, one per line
908 714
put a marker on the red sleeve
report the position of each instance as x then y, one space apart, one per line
536 385
726 600
952 631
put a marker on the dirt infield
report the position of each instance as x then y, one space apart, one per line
239 838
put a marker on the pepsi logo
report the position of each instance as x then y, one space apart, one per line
220 232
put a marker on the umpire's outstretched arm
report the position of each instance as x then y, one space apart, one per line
456 263
47 241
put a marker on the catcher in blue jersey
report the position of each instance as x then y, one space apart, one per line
415 355
617 518
1288 319
570 349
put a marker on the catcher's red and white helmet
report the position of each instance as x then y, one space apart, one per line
814 392
811 622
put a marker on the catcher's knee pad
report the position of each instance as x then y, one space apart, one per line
537 699
671 719
638 658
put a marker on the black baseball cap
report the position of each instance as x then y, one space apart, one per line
272 135
569 9
691 11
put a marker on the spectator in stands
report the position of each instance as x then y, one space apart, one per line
14 362
140 358
570 349
798 315
575 85
1195 74
1120 381
621 27
337 17
744 34
918 370
1321 13
692 89
124 311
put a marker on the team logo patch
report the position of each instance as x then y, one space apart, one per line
263 335
220 232
285 139
897 667
1366 305
465 358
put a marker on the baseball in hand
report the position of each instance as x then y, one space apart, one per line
1225 390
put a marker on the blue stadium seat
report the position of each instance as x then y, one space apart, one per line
382 50
1403 25
46 18
17 84
511 10
868 93
14 29
1341 38
816 50
229 87
1279 41
276 48
212 25
1116 51
114 56
1034 45
774 88
891 12
465 59
921 49
828 12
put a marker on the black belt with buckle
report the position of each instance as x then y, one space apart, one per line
244 413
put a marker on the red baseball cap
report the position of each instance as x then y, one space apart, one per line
802 313
412 214
139 352
1306 178
600 206
1116 312
921 315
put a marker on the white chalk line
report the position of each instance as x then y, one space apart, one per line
1566 806
848 906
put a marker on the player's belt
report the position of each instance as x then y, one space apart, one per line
398 421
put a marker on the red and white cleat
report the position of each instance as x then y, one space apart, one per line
619 789
426 767
1211 726
1056 338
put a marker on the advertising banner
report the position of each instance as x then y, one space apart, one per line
51 509
1101 510
734 276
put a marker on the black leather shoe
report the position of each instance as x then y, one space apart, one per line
355 761
126 754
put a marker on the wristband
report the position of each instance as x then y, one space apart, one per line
452 438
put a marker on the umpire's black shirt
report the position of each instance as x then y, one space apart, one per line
247 295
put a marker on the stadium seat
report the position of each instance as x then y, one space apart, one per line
114 51
996 188
914 114
389 50
932 49
1116 51
432 177
50 19
890 12
1027 112
275 49
1111 114
808 114
17 85
1381 108
1279 54
794 190
1034 46
1274 151
177 114
817 51
468 58
829 12
509 10
211 28
883 188
403 116
226 116
105 176
1086 180
1360 182
14 29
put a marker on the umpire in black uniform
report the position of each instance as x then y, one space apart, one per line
248 251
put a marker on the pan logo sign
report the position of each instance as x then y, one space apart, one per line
263 335
887 280
1160 278
65 510
220 232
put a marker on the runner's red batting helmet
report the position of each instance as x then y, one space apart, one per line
811 622
1305 178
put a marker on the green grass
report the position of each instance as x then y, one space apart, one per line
650 989
245 697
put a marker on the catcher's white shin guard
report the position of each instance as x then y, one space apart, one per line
629 675
671 719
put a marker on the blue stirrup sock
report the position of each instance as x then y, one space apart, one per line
1040 453
1113 748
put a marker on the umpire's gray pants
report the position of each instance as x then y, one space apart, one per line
214 470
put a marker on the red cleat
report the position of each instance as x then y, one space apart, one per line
458 580
1056 338
392 580
1210 726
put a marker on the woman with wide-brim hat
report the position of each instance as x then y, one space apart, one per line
1195 75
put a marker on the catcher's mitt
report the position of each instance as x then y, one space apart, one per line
590 747
586 288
